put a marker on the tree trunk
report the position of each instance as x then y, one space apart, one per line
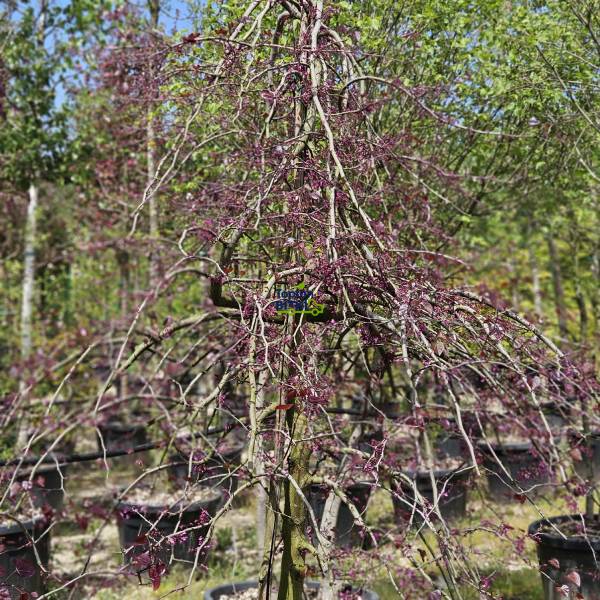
29 273
329 587
261 499
124 284
595 294
583 315
295 544
153 210
28 289
154 8
535 282
514 283
559 294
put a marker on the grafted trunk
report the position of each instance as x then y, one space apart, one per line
295 543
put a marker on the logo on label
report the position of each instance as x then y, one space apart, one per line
297 300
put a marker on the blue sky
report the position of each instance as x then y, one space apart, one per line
175 15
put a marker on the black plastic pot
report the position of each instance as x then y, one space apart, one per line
451 486
527 471
555 416
47 485
370 439
19 568
589 466
450 441
234 408
390 409
122 436
214 471
347 533
567 555
229 589
142 530
65 447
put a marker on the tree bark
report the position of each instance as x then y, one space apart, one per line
595 295
153 210
28 287
124 284
154 8
583 315
557 282
295 544
261 500
535 282
329 587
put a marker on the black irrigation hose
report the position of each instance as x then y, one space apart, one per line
60 459
52 458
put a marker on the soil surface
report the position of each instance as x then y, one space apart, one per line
575 529
309 594
159 495
22 516
449 463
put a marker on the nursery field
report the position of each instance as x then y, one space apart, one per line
502 550
299 299
234 551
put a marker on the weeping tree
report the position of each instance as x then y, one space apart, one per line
312 202
304 174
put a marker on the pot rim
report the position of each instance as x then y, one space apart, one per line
26 526
169 511
121 426
554 540
42 469
356 485
240 586
574 434
233 450
462 471
504 447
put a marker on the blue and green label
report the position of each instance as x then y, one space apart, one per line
297 300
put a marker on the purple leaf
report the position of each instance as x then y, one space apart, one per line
25 568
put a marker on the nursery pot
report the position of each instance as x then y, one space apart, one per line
451 486
589 465
142 529
234 409
122 437
574 553
369 439
230 589
20 571
527 470
555 417
347 533
450 441
47 485
389 408
214 471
